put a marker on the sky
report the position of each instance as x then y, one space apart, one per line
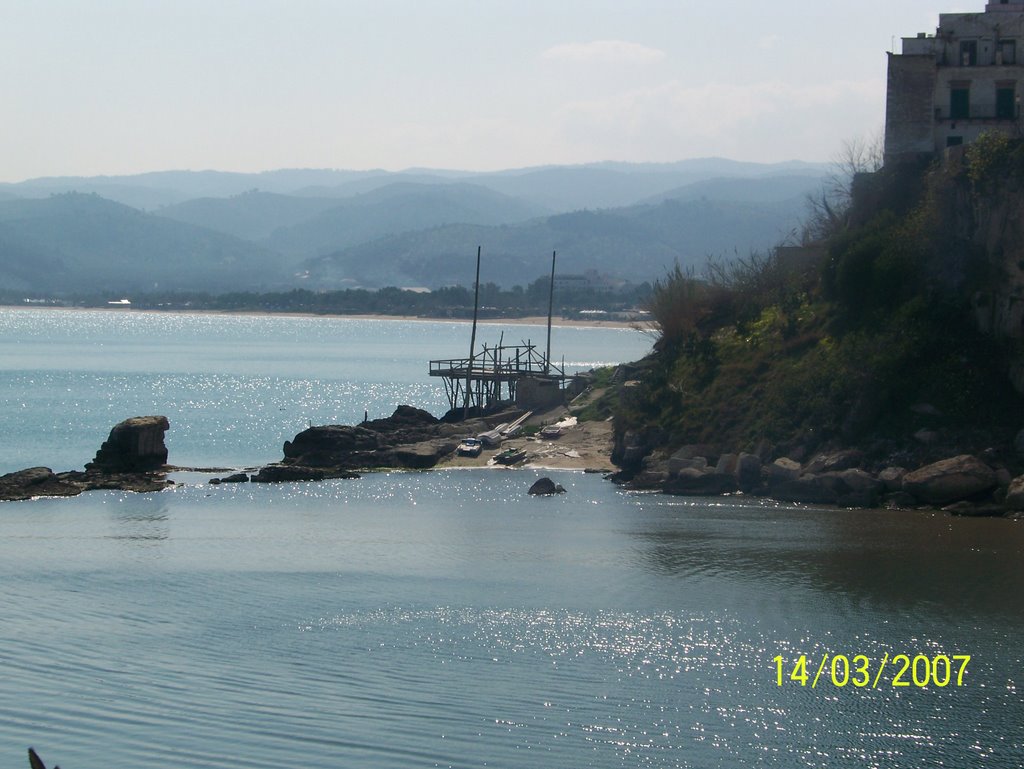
111 87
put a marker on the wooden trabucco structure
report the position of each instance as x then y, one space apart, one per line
493 374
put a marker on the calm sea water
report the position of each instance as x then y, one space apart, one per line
446 619
234 387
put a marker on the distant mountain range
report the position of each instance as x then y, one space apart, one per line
71 243
217 231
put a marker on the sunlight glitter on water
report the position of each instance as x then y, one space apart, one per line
409 619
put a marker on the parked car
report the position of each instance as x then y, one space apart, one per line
470 447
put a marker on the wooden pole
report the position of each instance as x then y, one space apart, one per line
472 338
551 309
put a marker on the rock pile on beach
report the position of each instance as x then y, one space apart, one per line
963 485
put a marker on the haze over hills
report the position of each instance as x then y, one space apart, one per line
566 188
81 243
316 229
155 189
300 226
757 190
637 244
250 215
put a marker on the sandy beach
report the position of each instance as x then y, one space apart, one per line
533 320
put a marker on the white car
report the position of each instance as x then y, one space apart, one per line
470 447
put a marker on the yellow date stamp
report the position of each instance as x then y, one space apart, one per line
861 671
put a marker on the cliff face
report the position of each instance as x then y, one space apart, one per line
975 209
999 232
980 215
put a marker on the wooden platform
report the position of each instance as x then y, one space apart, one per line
493 374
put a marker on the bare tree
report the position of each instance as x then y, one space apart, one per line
829 208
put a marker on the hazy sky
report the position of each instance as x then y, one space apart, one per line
94 87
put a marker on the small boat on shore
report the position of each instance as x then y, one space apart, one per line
551 431
492 438
510 456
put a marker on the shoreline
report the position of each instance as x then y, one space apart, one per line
529 320
582 446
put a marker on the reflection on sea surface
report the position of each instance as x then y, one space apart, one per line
902 560
446 618
144 520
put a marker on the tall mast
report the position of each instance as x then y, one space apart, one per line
472 338
551 309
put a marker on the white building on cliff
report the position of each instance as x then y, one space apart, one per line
948 88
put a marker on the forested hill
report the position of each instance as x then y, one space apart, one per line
84 243
324 229
899 335
638 244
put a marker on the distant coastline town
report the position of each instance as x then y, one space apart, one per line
588 297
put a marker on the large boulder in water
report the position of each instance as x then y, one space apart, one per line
287 473
410 438
135 445
696 483
132 458
35 482
545 487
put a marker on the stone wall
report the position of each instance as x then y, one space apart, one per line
909 109
538 394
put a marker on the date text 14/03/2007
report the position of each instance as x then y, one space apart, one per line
862 671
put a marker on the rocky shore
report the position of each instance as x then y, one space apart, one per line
961 485
134 458
413 439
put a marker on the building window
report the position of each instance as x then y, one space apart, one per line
954 141
1007 52
968 53
1006 102
959 103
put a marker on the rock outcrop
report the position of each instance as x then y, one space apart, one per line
35 482
545 487
286 473
132 458
233 478
411 438
135 445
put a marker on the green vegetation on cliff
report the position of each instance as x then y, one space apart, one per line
895 334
